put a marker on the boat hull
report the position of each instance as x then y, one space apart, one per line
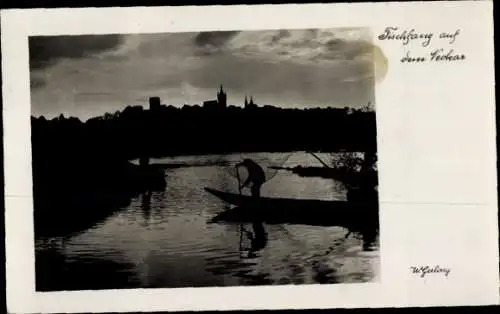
296 211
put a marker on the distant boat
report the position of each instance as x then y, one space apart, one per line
294 211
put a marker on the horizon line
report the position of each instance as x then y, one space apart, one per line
181 107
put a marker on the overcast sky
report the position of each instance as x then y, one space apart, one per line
86 76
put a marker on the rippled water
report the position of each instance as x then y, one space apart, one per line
165 240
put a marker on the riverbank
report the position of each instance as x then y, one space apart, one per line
136 131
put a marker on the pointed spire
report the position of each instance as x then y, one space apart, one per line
246 100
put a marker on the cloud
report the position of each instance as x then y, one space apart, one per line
216 39
280 35
348 50
210 43
44 51
304 46
37 82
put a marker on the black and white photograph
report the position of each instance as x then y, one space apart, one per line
204 159
252 157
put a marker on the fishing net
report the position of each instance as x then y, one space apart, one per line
229 176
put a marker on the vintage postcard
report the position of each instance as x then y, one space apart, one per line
250 157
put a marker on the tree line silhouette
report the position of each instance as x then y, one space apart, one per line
194 130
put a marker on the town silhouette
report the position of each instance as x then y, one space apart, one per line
212 128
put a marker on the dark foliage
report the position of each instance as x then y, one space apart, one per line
192 130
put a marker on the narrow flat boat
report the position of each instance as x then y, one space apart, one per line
293 211
274 203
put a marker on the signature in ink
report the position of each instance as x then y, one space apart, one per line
422 271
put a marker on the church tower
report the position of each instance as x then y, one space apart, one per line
222 97
249 104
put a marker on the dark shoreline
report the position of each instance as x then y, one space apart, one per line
167 131
66 203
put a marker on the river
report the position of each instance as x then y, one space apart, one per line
165 240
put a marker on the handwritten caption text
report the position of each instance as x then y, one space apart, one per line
440 53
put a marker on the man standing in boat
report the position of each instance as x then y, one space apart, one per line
256 176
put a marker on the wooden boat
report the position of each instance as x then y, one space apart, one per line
243 200
294 211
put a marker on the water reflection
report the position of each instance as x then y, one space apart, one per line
163 239
258 238
56 270
146 206
246 267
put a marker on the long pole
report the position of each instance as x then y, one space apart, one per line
239 181
241 225
319 159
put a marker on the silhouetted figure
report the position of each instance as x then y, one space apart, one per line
368 180
258 239
256 176
363 186
365 198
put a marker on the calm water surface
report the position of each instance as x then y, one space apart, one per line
165 239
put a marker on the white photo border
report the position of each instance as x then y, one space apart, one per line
436 152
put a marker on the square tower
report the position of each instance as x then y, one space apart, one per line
154 103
